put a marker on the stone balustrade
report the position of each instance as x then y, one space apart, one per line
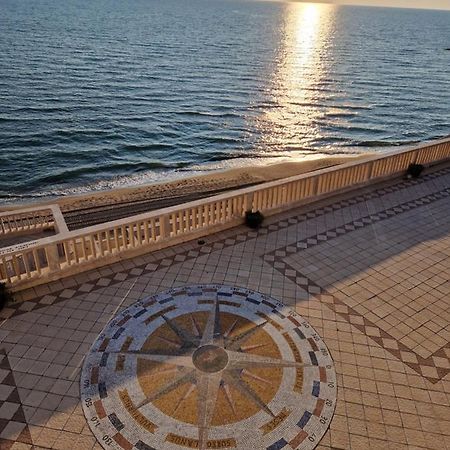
25 221
70 252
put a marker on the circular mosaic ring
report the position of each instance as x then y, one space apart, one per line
208 367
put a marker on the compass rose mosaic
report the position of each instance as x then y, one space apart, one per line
208 367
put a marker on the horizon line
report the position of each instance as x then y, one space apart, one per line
344 3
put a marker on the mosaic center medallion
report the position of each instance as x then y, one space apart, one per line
208 367
210 358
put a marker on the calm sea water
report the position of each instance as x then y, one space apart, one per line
113 92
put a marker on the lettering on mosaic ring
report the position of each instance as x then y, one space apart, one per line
135 414
96 421
331 384
324 352
88 402
272 424
221 443
298 385
193 443
293 347
312 437
107 439
305 324
323 420
86 383
328 402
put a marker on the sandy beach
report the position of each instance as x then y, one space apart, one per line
107 204
213 181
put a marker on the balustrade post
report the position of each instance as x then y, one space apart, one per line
164 224
53 257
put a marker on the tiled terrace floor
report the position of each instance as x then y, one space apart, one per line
369 270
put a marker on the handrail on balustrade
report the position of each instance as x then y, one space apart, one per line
25 211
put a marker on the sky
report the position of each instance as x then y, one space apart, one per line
429 4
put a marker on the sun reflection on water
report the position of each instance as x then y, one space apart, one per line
298 81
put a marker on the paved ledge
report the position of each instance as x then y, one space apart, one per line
368 270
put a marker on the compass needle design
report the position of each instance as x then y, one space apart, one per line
229 398
234 378
169 341
166 388
185 396
196 326
207 369
246 348
186 337
247 373
208 387
230 330
236 342
212 333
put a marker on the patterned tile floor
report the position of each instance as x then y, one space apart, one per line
368 269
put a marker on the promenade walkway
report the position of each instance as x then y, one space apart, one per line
369 270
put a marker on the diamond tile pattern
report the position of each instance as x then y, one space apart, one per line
368 271
13 427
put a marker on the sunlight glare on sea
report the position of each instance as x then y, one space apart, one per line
103 94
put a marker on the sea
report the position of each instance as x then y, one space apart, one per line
111 93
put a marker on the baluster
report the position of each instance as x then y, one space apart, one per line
67 252
37 263
100 243
146 224
108 241
124 237
26 264
6 269
93 246
74 245
16 268
139 232
83 246
131 235
153 229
